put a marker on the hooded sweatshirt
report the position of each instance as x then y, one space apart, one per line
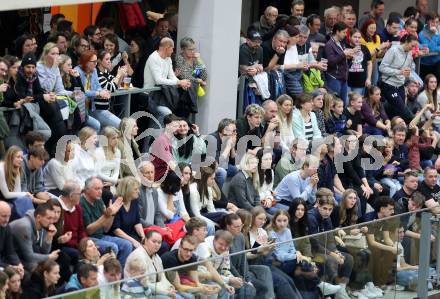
393 62
31 244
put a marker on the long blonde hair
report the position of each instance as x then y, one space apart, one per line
84 134
11 173
125 186
46 50
328 103
127 123
109 152
244 166
64 76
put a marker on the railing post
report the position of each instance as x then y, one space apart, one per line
241 86
424 256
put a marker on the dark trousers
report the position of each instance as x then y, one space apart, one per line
395 102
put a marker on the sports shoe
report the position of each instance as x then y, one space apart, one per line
328 289
374 290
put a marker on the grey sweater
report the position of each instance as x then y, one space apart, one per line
31 245
31 180
392 64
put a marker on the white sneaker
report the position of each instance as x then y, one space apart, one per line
328 288
342 294
377 292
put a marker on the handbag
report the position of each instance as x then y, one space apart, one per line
358 241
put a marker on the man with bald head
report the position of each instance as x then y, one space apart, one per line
148 200
267 21
8 256
159 71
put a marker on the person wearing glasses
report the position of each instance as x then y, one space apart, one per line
73 227
97 97
183 256
189 64
78 44
94 37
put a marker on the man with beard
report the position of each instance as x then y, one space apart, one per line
251 54
267 21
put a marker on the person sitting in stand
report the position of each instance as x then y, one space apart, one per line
98 219
59 170
300 183
127 223
33 236
10 182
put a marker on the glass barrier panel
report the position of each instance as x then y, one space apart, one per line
376 258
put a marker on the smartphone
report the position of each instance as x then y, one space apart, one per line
271 240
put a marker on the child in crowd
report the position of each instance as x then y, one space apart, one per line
285 253
391 166
136 287
337 121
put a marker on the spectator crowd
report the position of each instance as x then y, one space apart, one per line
339 129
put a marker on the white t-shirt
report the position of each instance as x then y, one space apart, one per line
202 250
291 56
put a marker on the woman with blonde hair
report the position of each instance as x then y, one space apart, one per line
107 167
128 146
242 191
10 180
84 162
285 108
127 223
50 80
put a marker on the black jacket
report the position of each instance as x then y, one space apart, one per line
176 99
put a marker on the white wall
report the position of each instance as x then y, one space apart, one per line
215 26
396 5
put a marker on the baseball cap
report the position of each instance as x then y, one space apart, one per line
254 35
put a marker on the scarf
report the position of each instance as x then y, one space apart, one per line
29 80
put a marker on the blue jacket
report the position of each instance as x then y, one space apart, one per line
73 284
298 125
432 41
94 83
285 251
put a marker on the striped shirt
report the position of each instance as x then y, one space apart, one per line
105 79
308 130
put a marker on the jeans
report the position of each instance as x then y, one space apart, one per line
276 207
161 112
19 206
407 277
370 130
106 118
393 184
221 174
339 87
121 247
93 123
359 90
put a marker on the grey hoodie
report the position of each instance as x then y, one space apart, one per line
31 181
31 244
393 62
